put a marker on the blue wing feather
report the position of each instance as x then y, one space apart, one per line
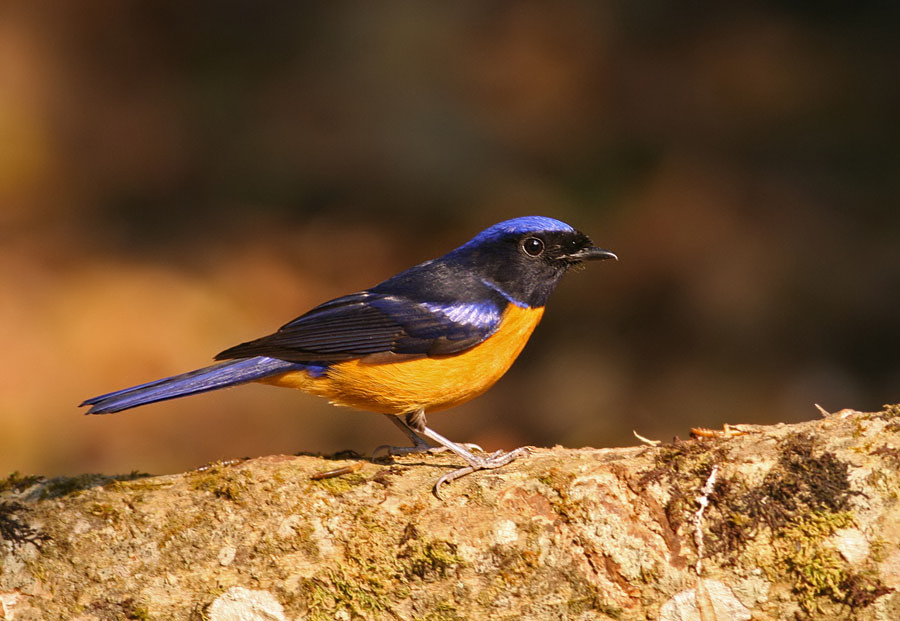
373 322
217 376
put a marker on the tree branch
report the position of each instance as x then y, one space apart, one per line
795 520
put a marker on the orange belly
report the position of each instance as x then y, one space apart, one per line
431 383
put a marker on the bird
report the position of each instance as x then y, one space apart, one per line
429 338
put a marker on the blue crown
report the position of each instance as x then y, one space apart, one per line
520 226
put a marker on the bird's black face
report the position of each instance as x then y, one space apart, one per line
527 266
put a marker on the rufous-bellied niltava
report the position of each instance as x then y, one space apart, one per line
429 338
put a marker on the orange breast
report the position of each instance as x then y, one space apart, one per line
430 383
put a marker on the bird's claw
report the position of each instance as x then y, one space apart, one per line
494 460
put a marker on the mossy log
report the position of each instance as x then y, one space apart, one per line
781 522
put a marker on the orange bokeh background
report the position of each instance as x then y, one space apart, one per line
178 177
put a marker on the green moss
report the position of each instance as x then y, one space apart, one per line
18 482
304 540
561 482
557 480
200 612
178 524
681 459
317 599
142 484
340 484
586 596
133 610
514 565
374 575
444 611
222 482
815 574
801 502
801 483
818 573
341 591
364 543
379 570
429 559
103 511
127 609
424 558
63 486
684 467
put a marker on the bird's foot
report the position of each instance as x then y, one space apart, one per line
402 451
414 424
419 445
494 460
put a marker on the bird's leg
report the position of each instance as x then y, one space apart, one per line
416 422
419 445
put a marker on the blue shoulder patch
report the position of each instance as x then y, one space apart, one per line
463 323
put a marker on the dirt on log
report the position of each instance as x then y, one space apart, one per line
780 522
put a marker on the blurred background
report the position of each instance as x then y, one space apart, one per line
177 177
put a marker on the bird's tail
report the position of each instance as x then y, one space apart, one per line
217 376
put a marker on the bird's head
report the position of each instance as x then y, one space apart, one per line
524 258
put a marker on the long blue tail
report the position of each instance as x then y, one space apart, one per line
222 375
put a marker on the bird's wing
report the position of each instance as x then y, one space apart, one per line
370 323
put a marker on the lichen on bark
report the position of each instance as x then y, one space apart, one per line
801 521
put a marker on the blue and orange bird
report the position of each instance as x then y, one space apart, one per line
429 338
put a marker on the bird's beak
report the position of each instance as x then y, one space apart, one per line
592 254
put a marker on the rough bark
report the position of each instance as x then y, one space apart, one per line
797 521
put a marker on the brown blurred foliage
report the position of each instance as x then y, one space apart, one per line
179 177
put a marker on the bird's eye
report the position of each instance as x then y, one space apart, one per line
532 246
